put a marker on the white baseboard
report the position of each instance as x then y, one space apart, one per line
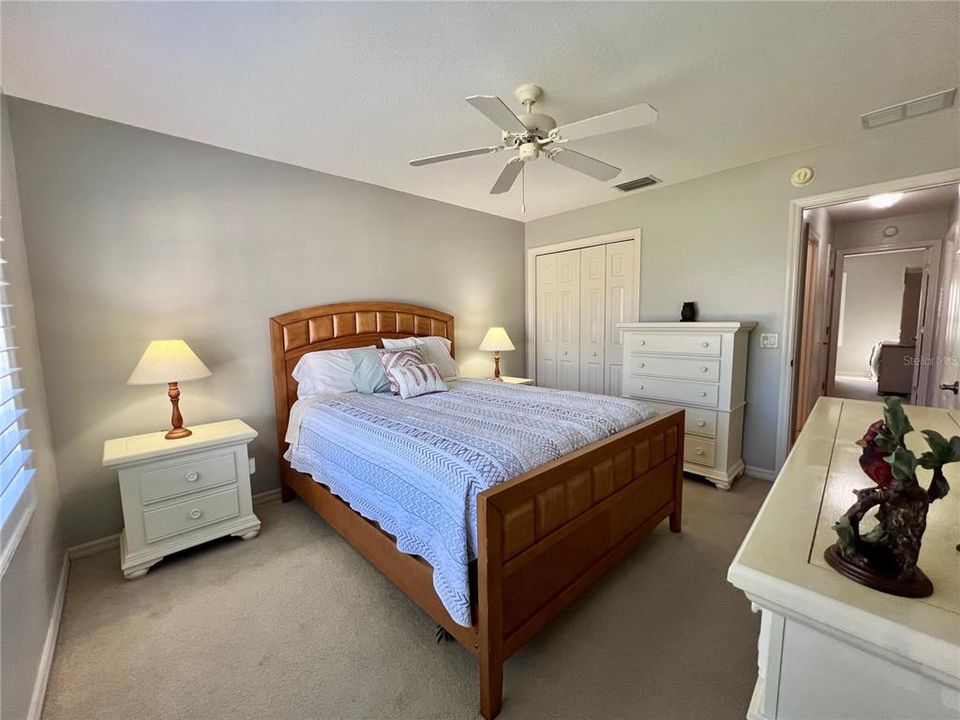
761 473
267 496
49 644
94 546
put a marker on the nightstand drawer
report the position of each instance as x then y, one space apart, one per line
158 482
699 450
190 514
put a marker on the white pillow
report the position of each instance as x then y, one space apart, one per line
416 380
324 372
435 349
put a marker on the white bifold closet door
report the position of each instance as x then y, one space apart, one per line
581 297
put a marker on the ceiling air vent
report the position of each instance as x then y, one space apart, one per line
911 108
637 184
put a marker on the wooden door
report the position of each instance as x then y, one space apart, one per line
804 392
923 345
568 320
546 321
593 272
622 304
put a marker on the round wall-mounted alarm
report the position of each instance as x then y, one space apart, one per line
801 176
890 230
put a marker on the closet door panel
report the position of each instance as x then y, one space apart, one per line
593 273
568 320
621 305
547 321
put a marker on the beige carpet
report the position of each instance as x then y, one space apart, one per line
294 625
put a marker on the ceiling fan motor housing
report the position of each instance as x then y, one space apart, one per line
529 151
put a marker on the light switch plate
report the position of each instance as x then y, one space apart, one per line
769 341
253 465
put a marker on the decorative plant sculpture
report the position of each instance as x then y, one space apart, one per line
886 557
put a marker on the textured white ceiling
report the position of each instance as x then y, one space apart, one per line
358 89
916 201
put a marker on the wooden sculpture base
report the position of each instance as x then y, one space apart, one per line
887 582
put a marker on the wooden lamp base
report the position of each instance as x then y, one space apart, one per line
886 582
496 366
178 431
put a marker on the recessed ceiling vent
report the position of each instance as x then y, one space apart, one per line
911 108
637 184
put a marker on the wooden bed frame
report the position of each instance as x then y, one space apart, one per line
544 537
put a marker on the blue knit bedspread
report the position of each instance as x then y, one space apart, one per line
416 466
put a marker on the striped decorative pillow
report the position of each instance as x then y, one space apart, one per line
415 380
399 359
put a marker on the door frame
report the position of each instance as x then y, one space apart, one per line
791 301
531 280
810 300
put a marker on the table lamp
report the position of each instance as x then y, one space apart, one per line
169 361
496 340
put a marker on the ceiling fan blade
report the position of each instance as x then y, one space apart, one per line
583 163
628 117
497 112
455 155
507 176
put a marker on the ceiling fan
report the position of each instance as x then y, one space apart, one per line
532 134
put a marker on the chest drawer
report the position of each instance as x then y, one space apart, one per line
699 450
677 390
707 344
158 482
196 512
701 422
707 370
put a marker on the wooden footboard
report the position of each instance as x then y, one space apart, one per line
546 536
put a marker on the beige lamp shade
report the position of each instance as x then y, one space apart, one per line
496 339
167 361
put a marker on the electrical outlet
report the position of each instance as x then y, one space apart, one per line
769 341
253 465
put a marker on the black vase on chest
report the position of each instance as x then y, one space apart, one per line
688 313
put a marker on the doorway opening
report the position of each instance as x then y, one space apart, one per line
878 306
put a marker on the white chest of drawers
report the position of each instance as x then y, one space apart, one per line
701 367
180 493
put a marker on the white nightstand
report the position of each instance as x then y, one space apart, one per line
180 493
516 380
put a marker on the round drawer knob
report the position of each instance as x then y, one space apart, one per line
643 342
196 514
642 365
593 354
704 369
192 476
703 393
704 344
640 387
699 451
564 352
701 423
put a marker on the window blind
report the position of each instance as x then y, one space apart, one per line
16 472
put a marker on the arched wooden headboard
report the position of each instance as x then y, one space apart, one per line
338 326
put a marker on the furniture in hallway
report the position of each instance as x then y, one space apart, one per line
701 367
829 647
581 297
180 493
896 369
543 538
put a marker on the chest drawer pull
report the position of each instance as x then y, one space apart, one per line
699 451
704 369
196 514
192 476
703 393
704 344
701 423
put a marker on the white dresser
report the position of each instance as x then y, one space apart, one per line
701 367
830 648
180 493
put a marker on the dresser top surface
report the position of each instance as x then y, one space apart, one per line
728 326
781 559
136 448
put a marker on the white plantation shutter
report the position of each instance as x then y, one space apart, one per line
16 492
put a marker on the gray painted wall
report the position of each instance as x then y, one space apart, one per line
29 586
722 240
134 235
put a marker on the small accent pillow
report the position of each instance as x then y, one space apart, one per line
368 374
399 359
435 349
416 380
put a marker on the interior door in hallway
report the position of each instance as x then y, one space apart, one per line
568 320
593 270
621 304
949 364
547 321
